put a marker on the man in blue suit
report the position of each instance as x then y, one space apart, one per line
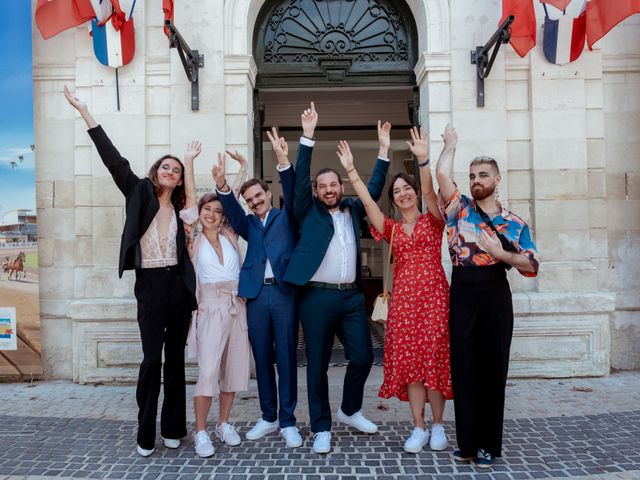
271 302
326 262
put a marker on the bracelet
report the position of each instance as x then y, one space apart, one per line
223 185
425 163
349 171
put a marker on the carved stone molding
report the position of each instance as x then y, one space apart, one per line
621 63
432 62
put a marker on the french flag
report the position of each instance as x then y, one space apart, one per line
114 40
564 38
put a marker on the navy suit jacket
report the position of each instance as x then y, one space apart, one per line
275 240
316 224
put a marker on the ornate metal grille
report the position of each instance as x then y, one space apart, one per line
354 36
301 30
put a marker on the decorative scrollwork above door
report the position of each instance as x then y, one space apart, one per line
335 41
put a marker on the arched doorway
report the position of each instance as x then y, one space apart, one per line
355 59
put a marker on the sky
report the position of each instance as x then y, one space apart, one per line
17 186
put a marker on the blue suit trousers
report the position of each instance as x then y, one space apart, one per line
273 333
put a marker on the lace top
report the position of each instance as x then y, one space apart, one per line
158 251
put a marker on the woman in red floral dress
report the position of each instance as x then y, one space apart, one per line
416 349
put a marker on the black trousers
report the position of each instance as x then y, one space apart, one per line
481 325
163 317
325 313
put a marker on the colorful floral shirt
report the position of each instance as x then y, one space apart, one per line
464 224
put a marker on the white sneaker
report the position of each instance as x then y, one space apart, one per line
261 428
145 452
227 433
322 442
438 437
291 436
358 421
204 447
418 439
171 442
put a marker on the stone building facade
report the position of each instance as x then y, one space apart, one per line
567 139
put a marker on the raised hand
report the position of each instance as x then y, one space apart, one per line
218 172
309 121
345 156
194 148
81 107
238 157
419 145
74 101
384 136
279 145
450 136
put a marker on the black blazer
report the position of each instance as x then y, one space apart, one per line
141 207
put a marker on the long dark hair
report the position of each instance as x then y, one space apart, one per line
178 197
407 178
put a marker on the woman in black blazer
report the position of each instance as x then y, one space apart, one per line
154 245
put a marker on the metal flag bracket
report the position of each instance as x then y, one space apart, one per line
480 56
191 60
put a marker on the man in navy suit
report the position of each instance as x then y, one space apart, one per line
326 262
271 302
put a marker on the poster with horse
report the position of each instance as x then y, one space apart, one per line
20 355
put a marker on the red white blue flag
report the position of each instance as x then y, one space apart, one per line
114 40
564 37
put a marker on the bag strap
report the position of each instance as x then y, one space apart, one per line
386 276
506 244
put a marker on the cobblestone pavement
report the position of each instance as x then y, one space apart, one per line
580 428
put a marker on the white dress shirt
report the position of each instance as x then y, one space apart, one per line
268 271
339 263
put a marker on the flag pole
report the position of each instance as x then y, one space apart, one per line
117 91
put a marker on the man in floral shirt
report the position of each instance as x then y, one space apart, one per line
485 240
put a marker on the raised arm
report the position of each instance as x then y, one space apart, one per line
191 152
303 190
285 170
81 107
419 146
242 174
376 217
117 165
444 169
379 174
232 208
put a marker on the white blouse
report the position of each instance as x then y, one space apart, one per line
210 270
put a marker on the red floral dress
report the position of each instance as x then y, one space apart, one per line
416 345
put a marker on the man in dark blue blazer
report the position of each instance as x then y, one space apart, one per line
271 302
326 262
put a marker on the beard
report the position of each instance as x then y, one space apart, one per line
478 192
331 203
